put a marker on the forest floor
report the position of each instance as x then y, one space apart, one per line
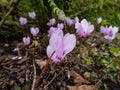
30 68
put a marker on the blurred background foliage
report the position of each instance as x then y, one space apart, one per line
109 10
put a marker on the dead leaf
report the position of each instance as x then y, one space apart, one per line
79 79
82 87
41 63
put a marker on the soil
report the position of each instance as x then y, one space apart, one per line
30 69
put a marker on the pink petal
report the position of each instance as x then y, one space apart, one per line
69 43
84 24
49 51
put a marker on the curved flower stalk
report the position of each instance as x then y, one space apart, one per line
32 15
34 31
109 32
61 45
84 28
22 20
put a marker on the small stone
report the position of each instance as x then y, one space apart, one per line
87 75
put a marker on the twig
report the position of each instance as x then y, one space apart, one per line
10 10
25 58
44 70
50 81
34 79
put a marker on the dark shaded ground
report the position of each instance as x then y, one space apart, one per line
18 73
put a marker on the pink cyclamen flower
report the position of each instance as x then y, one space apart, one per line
54 30
32 15
51 22
99 20
22 20
34 31
109 32
51 31
84 28
26 40
61 17
69 21
105 30
60 25
76 19
60 46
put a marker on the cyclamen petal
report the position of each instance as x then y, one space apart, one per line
60 25
26 40
99 20
34 31
55 30
85 25
84 28
69 21
61 17
51 31
60 45
22 20
76 19
69 43
32 15
51 22
109 32
49 51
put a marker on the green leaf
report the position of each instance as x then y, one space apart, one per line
115 51
93 74
76 67
17 88
88 61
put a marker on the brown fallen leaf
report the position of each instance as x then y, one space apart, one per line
82 87
41 63
79 79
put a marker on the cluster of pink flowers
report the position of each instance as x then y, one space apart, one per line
23 21
33 30
60 45
109 32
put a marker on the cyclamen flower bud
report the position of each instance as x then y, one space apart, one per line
22 20
32 15
26 40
